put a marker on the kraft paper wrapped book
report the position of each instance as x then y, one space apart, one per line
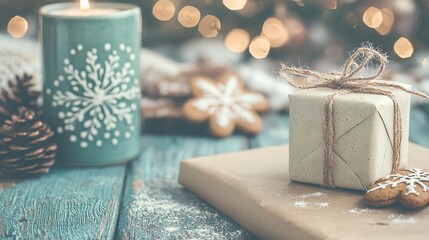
363 126
253 188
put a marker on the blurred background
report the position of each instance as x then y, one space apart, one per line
182 38
267 28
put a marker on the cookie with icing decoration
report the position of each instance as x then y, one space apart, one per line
408 187
225 104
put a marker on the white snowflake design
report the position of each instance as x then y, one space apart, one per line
415 178
100 97
226 101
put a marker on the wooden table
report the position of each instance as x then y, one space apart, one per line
139 200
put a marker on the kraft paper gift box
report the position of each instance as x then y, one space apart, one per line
363 130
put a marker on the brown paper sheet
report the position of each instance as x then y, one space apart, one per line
253 188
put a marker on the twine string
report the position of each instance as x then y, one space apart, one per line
349 81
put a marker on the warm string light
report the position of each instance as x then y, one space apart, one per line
403 48
209 26
372 17
163 10
387 23
234 5
276 32
381 20
259 47
84 5
237 40
189 16
17 27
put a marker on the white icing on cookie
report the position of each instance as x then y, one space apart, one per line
226 101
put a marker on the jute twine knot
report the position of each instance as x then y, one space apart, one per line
350 80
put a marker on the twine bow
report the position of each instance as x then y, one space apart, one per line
349 81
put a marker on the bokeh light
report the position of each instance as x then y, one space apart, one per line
17 27
237 40
259 47
163 10
387 23
234 5
275 31
403 48
209 26
189 16
372 17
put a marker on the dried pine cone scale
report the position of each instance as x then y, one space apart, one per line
20 93
26 144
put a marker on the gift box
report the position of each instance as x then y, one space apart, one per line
363 136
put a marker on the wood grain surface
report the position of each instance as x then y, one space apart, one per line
67 203
140 200
157 207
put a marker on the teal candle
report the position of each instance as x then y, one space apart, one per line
91 90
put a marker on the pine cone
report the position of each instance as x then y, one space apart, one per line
26 145
20 93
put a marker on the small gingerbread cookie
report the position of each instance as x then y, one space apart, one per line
408 187
225 104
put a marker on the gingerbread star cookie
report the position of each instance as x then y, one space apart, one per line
408 187
226 105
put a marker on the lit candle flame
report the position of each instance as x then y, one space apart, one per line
84 5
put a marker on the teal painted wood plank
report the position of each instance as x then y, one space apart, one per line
67 203
157 207
161 155
276 131
167 211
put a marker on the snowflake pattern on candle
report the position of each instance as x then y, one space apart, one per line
98 98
